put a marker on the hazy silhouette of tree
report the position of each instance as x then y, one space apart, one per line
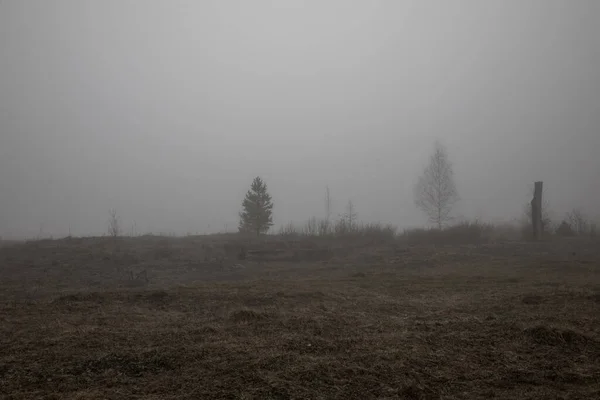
257 209
579 221
435 191
350 215
327 204
114 223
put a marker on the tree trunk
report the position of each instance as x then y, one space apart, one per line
536 211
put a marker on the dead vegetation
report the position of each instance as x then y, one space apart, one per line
397 320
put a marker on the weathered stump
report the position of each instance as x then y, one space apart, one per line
536 211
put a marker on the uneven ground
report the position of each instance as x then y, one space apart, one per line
506 321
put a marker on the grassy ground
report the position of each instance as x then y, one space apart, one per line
506 321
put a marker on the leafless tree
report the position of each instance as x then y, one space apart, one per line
40 232
311 228
435 191
327 204
350 215
578 221
134 229
114 223
324 225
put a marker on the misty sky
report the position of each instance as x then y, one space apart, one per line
166 110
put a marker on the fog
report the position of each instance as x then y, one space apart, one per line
166 110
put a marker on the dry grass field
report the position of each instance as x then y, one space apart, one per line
300 320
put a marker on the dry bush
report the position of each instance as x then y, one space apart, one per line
114 224
311 228
377 229
461 233
343 228
374 231
324 227
575 223
565 229
578 222
526 229
290 230
340 229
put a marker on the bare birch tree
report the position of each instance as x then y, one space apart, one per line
327 204
578 221
435 191
324 227
350 215
114 223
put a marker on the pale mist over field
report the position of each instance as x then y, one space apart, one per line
166 110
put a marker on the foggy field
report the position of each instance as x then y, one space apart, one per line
357 321
299 199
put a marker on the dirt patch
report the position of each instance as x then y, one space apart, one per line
156 298
247 316
532 300
417 392
595 297
545 335
134 366
92 297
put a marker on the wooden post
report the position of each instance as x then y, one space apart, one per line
536 211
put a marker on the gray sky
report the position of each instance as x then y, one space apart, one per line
166 110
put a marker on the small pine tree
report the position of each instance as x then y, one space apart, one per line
257 213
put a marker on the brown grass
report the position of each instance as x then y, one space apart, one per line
505 321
